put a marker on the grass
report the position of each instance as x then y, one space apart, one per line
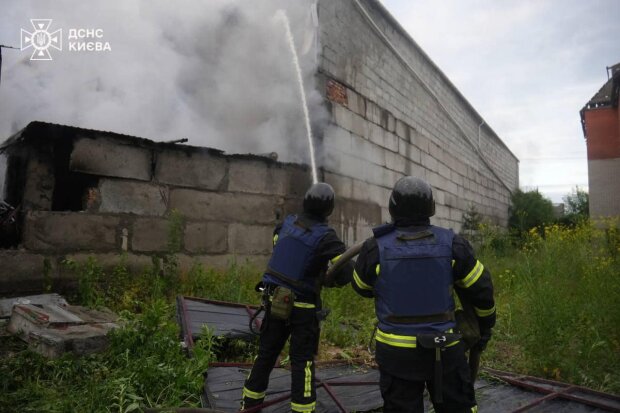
557 300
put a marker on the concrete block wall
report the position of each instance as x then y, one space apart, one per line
228 206
395 113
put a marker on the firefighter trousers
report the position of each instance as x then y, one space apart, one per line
303 330
406 396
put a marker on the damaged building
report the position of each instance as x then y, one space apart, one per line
80 193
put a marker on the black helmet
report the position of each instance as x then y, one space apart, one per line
412 198
319 200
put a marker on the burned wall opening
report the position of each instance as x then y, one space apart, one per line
72 190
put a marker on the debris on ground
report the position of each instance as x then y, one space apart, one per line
52 327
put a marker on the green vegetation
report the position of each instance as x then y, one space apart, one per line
557 303
529 210
577 205
557 294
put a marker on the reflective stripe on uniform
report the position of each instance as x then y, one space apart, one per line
396 340
336 258
360 284
275 239
480 312
297 407
308 379
472 277
377 269
303 305
453 262
252 394
474 409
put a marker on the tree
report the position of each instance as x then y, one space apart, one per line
577 205
471 222
529 210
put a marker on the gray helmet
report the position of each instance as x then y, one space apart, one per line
319 200
412 198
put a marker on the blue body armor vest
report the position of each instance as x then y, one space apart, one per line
292 253
413 291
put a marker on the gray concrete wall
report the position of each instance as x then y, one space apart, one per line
604 188
395 113
227 205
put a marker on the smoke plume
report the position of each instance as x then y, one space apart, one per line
217 72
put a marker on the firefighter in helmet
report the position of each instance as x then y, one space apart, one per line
412 268
304 245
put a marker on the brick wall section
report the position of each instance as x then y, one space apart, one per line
400 121
603 133
603 142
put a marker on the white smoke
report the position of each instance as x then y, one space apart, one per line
216 72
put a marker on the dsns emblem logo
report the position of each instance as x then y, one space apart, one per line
41 39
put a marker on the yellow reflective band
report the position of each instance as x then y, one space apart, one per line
275 239
474 409
336 258
453 344
377 269
303 305
296 407
396 340
453 262
361 284
252 394
484 313
308 380
473 276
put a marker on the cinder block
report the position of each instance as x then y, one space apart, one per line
338 138
135 263
108 157
376 133
373 112
190 168
402 130
359 126
395 162
23 271
39 185
429 162
342 185
206 237
248 176
225 207
250 239
130 197
342 117
390 141
66 231
368 151
270 179
356 102
150 235
223 262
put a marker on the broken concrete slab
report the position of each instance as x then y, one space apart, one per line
6 304
53 330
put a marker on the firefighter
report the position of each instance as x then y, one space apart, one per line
304 245
411 268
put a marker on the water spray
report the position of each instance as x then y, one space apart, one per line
281 15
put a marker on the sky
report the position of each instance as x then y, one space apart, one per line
527 67
219 72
